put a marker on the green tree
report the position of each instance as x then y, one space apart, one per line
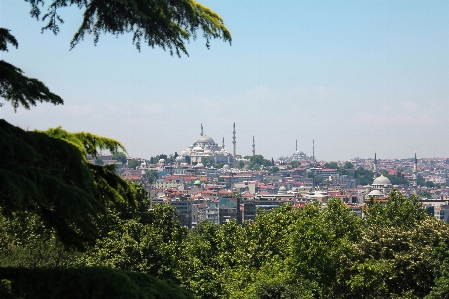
348 165
167 24
133 163
207 161
331 165
429 184
257 160
295 164
365 176
219 165
420 180
151 176
426 194
47 174
120 157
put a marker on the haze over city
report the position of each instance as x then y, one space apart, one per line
357 77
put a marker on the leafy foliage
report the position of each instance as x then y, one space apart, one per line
133 163
165 24
47 174
295 164
91 282
120 157
152 175
21 90
17 88
5 38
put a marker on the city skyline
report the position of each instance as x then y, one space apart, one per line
356 77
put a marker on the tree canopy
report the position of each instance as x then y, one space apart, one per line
17 88
47 174
166 24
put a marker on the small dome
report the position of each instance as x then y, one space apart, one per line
205 139
199 165
382 180
375 193
197 149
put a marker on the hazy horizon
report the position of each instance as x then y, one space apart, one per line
358 77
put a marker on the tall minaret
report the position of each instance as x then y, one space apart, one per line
201 130
222 146
233 141
313 150
415 175
296 145
254 147
375 165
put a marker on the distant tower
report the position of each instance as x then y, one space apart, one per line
296 145
313 150
201 130
375 165
222 146
254 147
415 175
233 142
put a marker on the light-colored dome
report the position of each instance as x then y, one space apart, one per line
282 188
375 193
199 165
382 180
197 149
205 139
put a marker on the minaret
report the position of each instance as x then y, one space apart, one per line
415 175
222 146
233 141
296 145
254 147
313 150
201 134
375 165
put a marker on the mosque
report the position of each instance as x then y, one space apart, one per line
205 146
382 186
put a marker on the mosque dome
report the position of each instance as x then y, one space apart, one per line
282 190
382 180
205 139
375 192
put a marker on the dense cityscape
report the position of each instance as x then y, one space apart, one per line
207 182
107 190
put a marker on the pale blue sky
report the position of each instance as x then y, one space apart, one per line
356 76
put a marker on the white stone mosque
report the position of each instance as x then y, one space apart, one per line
382 186
205 146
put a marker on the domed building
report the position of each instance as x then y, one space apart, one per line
282 190
205 146
381 186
